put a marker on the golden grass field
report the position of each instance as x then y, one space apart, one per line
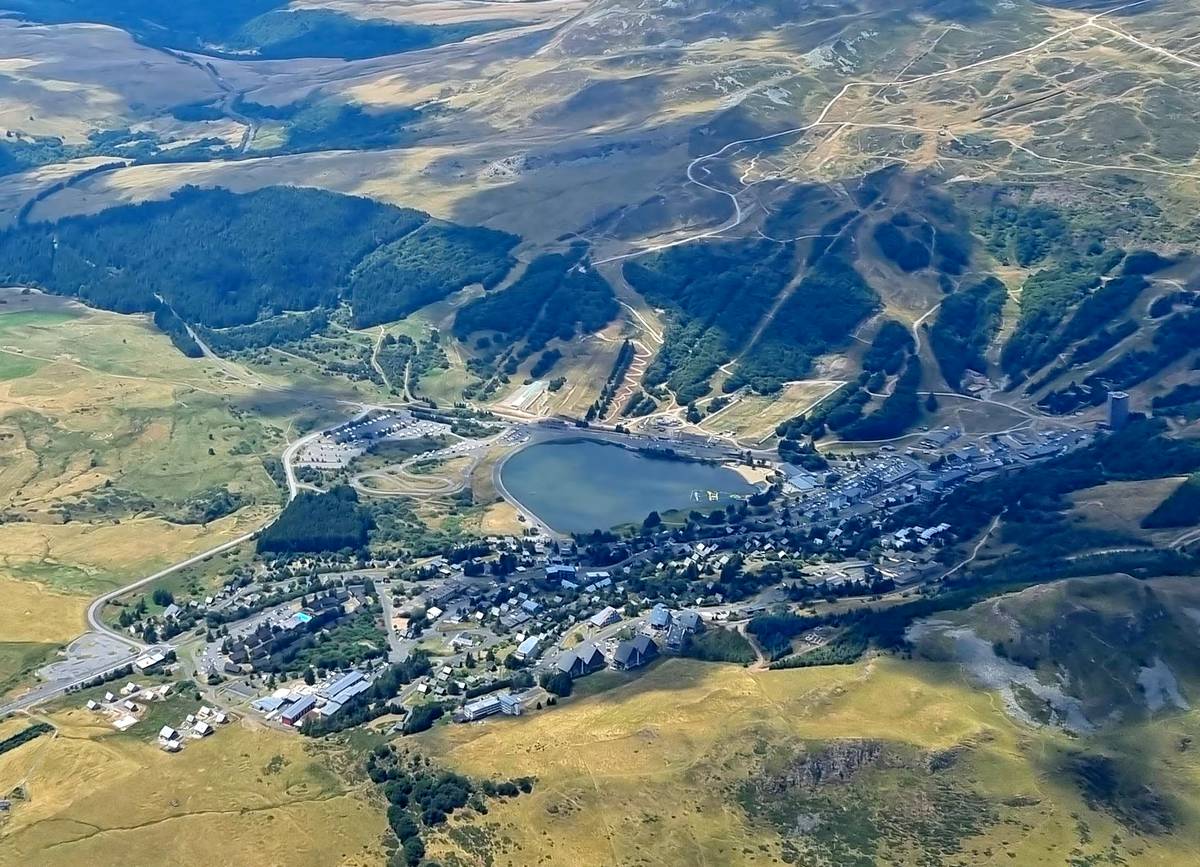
245 795
1121 506
643 773
752 418
67 81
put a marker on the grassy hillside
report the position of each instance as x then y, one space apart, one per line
886 762
245 794
260 29
1107 650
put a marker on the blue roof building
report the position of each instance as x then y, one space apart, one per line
660 617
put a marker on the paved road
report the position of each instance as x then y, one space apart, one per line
400 647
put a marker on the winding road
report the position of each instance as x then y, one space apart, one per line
698 174
96 625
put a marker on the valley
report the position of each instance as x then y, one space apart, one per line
599 430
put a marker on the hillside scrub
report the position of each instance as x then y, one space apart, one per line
719 645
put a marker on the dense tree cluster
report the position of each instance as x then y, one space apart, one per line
421 795
837 411
1173 339
1102 341
327 124
966 324
315 522
818 316
1180 509
900 410
557 297
1183 399
906 241
19 153
718 296
1046 298
639 404
1168 302
425 266
171 325
889 349
24 736
1145 262
275 331
1024 234
545 363
218 258
616 376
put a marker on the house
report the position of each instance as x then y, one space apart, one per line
296 711
484 707
605 617
93 704
109 697
584 659
202 729
510 705
150 660
269 704
330 708
660 617
166 733
340 685
528 648
684 623
171 612
634 653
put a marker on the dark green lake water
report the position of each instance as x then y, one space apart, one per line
582 485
